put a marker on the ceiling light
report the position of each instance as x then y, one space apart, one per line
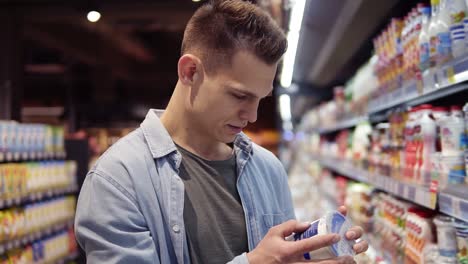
285 107
295 22
93 16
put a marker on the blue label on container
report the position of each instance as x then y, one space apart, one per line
456 176
444 45
456 26
424 56
310 232
448 253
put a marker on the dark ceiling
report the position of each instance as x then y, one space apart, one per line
114 70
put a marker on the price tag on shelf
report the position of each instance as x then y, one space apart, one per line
398 95
450 75
445 204
433 194
456 207
429 80
464 210
401 189
411 91
411 193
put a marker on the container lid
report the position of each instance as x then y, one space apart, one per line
339 224
455 108
443 220
440 109
425 107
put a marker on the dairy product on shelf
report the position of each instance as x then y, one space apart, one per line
457 31
424 47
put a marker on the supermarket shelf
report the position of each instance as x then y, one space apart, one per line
416 194
454 201
450 79
29 238
344 124
35 197
30 156
394 98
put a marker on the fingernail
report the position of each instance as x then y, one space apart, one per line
336 238
351 235
357 248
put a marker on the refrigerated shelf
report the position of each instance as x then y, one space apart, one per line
423 196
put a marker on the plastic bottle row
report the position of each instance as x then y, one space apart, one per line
423 145
30 141
18 180
49 249
428 36
16 223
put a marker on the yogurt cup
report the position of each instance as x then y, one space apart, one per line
330 223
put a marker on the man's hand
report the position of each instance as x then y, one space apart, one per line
275 249
354 233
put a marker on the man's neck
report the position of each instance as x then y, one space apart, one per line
185 134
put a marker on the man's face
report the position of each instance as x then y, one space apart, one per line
228 100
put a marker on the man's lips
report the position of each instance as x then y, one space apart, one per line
236 129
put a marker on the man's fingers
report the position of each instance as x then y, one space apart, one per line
310 244
287 228
361 247
354 232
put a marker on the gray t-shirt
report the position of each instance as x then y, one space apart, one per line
213 213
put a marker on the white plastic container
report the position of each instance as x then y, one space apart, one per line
444 44
446 237
424 46
457 31
433 32
330 223
428 134
452 133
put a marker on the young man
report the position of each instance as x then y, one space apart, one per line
188 186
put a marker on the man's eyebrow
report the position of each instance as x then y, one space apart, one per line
248 93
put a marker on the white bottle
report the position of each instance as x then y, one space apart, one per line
433 31
428 134
424 56
444 44
457 31
452 133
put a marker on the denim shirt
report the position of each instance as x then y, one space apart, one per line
130 208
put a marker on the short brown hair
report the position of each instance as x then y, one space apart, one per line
220 28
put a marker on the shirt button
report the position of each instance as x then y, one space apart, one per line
176 228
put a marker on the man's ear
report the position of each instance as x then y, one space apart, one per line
189 69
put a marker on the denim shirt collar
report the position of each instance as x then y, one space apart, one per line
161 144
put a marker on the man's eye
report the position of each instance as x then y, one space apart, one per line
240 97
